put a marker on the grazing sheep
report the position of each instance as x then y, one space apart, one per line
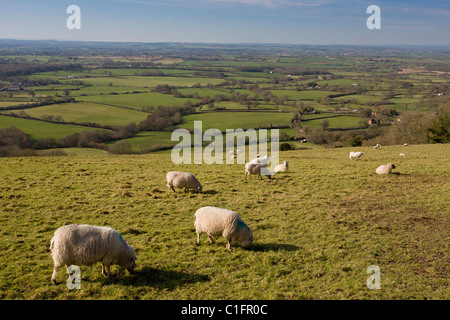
405 145
252 168
282 167
261 160
86 245
401 154
385 169
217 221
355 155
186 180
377 146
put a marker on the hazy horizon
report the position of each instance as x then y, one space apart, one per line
302 22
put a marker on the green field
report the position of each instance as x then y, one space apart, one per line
37 130
317 228
334 122
108 84
89 112
138 100
235 120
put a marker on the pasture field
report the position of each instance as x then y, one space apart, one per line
36 129
317 228
89 112
233 78
138 100
142 81
243 120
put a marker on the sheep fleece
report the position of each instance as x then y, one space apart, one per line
182 180
217 221
87 245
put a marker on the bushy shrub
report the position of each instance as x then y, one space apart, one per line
285 146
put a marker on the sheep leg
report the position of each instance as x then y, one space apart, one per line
229 245
211 238
169 186
198 238
103 270
55 271
106 271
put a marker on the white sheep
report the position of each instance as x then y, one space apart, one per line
217 221
401 154
282 167
261 160
377 146
355 155
385 169
186 180
86 245
405 145
252 168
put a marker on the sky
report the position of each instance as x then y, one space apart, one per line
322 22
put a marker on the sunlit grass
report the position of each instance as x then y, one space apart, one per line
317 227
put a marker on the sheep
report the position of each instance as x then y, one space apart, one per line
252 168
401 154
377 146
184 180
282 167
86 245
355 155
405 145
217 221
385 169
261 160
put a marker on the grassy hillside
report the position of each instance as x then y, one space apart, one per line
317 228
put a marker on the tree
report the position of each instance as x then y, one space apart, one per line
325 124
439 130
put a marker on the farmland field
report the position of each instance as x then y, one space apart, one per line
137 100
89 112
106 89
317 228
243 120
40 129
85 137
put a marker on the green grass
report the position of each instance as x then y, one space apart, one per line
317 228
142 81
138 100
148 139
335 122
233 120
301 95
89 112
36 130
5 104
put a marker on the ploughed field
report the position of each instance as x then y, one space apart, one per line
317 228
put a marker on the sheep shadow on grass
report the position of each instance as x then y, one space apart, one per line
161 279
264 247
209 192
